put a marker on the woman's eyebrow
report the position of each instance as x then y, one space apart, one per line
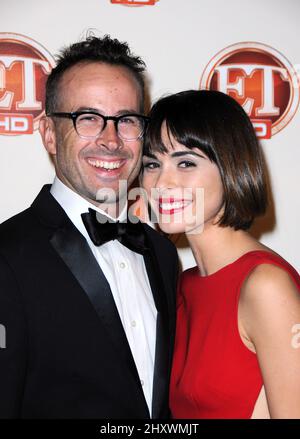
183 153
175 154
150 155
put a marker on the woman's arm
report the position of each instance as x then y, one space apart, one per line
269 312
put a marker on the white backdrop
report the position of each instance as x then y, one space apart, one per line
176 38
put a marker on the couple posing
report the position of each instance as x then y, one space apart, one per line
87 297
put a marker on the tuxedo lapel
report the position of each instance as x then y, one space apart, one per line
74 250
162 347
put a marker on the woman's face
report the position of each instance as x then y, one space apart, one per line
183 186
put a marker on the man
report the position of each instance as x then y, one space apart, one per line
89 321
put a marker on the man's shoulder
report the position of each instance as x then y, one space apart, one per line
23 226
15 221
16 227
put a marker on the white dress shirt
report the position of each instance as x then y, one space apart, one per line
126 274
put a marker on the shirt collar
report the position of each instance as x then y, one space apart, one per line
74 205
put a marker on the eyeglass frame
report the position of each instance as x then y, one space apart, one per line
75 114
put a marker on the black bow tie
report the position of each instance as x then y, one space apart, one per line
101 230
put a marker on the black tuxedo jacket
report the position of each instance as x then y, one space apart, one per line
66 353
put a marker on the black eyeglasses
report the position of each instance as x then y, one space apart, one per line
89 124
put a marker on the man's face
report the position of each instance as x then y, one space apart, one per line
89 165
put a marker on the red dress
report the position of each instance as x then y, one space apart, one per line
214 375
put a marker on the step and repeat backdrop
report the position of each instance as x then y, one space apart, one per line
248 49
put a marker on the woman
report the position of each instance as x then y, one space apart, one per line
236 354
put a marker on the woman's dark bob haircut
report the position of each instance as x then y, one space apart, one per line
217 125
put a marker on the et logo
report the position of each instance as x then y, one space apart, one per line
261 79
134 2
24 67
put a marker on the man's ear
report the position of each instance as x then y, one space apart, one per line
48 135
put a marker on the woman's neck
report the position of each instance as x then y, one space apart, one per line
215 247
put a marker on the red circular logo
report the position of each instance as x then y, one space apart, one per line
134 2
24 68
261 79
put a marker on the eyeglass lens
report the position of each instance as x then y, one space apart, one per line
91 125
